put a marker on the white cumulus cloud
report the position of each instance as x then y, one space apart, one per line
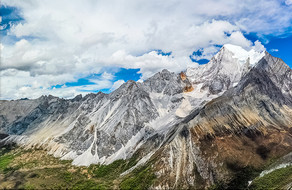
62 41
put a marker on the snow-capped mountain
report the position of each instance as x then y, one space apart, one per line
189 124
224 70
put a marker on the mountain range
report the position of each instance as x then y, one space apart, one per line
194 129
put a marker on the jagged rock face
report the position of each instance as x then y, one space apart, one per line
28 113
166 83
190 126
279 73
14 110
98 127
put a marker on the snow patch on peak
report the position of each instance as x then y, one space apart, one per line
243 55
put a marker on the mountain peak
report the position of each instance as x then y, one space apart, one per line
225 69
165 71
243 55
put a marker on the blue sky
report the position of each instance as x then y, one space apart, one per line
281 47
121 74
67 47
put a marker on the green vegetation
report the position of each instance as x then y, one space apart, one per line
67 176
140 178
274 180
5 159
35 169
108 170
29 186
89 184
113 170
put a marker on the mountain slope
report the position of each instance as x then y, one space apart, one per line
246 126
